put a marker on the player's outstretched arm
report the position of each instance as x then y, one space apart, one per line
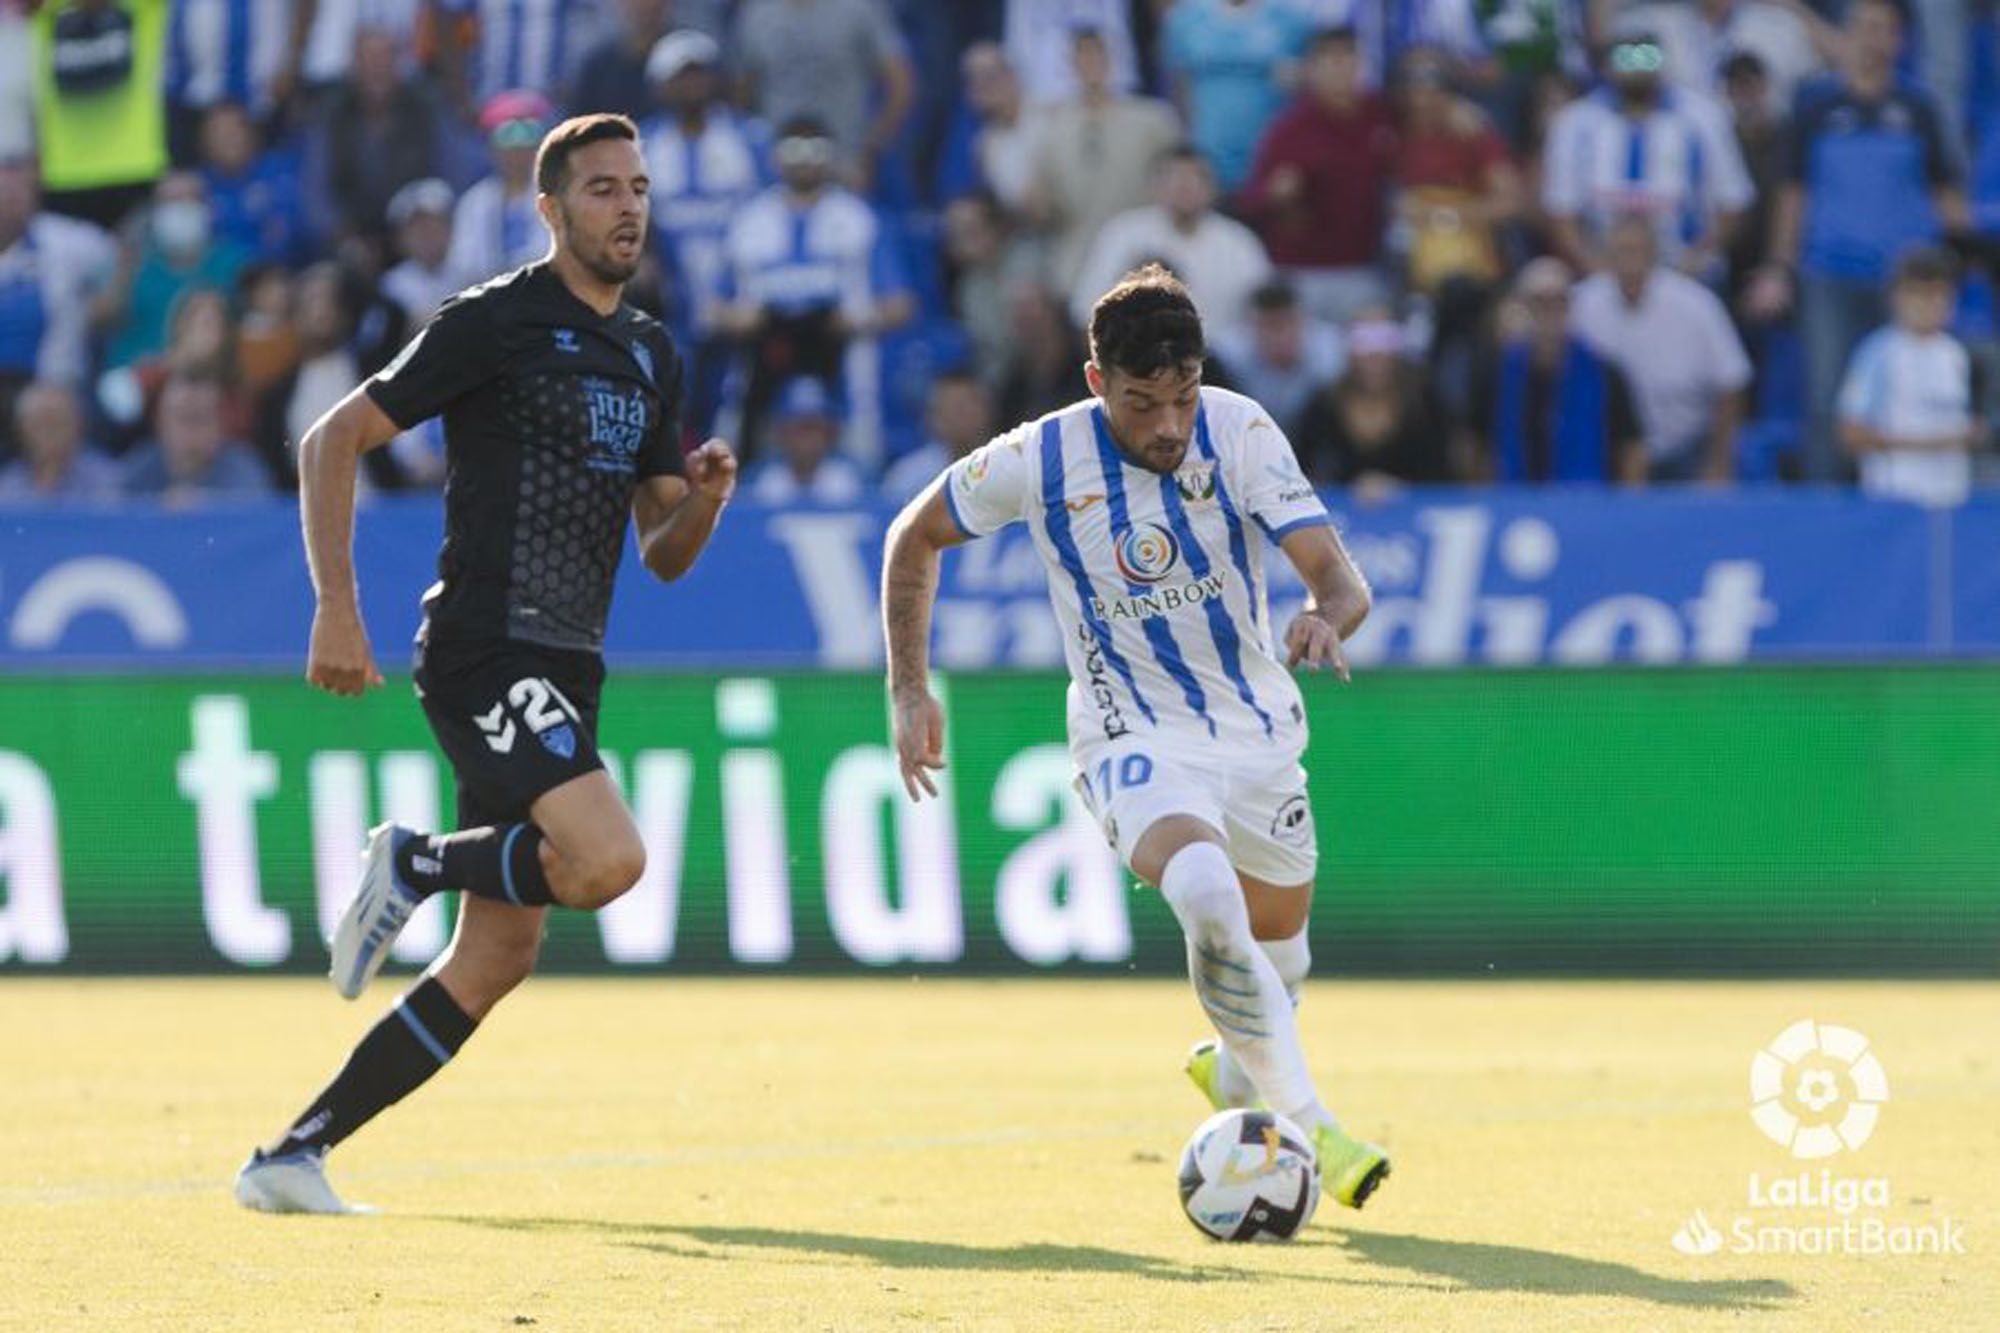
339 660
677 515
1339 602
909 587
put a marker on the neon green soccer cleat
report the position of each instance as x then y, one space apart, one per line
1202 1072
1349 1170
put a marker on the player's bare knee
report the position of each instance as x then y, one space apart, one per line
606 875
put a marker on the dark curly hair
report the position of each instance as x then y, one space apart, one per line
1147 323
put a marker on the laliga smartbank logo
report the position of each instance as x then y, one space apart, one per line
1817 1091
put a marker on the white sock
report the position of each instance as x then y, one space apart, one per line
1292 957
1236 982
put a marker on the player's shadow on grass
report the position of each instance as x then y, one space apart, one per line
1515 1268
897 1252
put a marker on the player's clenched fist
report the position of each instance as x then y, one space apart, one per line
1314 641
339 660
711 471
919 736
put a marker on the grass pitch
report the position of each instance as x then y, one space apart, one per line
789 1154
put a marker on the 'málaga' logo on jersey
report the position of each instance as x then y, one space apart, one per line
617 424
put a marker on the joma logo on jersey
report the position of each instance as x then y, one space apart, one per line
1163 601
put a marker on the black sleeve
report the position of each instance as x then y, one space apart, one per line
1621 417
661 456
457 350
1940 168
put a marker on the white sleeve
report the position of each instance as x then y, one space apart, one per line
990 487
1732 189
1274 489
1562 189
1730 362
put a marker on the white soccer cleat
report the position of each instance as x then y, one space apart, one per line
381 908
293 1182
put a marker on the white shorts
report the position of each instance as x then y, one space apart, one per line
1260 808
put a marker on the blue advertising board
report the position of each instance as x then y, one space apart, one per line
1522 577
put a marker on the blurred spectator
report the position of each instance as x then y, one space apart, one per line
55 463
803 467
1046 370
1221 260
191 459
840 62
496 227
988 264
1906 408
267 346
99 112
1095 158
1280 356
1527 43
814 278
1378 424
17 82
1760 137
1700 36
508 44
335 34
1548 407
326 372
246 52
1040 37
379 131
1870 173
1316 193
1639 147
706 163
421 279
1229 61
1457 186
994 140
49 267
178 250
1673 339
256 196
201 342
613 76
958 418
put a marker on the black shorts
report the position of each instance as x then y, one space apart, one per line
516 720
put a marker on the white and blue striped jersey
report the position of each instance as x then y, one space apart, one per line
226 51
1157 581
700 184
1678 165
534 44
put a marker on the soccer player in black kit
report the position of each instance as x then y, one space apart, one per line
561 410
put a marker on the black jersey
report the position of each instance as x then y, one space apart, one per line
552 414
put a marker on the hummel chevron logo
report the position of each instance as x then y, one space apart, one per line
498 729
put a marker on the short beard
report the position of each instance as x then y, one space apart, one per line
600 266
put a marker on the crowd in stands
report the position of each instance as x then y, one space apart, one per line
1443 241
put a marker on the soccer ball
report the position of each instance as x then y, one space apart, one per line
1249 1175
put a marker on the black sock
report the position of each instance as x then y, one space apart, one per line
412 1042
501 862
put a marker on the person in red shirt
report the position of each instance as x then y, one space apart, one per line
1456 189
1317 193
1458 186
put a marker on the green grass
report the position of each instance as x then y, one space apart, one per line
789 1154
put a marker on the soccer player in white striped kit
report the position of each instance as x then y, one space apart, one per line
1151 503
